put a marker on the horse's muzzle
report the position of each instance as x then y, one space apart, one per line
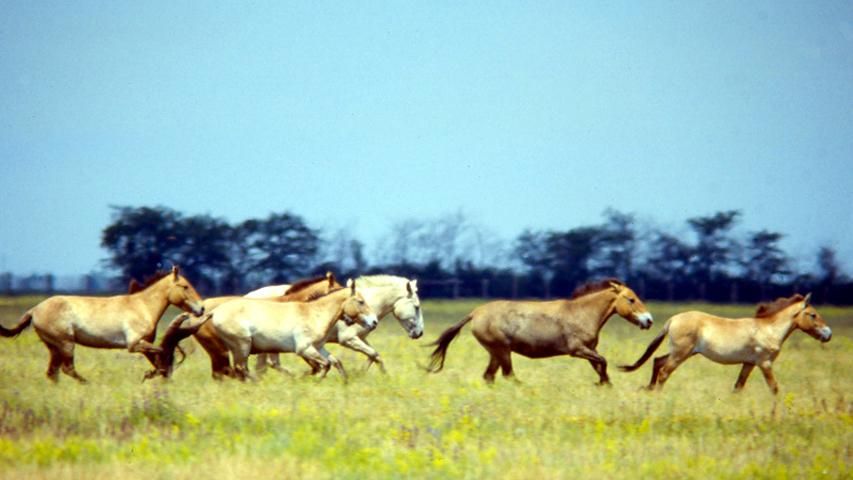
825 334
645 320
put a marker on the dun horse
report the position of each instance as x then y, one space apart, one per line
546 329
122 321
206 336
386 294
249 326
749 341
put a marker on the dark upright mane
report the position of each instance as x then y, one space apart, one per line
135 286
593 287
305 283
769 309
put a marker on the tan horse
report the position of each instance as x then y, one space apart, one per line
249 326
121 321
749 341
206 336
386 294
546 329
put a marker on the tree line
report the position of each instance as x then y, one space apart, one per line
453 256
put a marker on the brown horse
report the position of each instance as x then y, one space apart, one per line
121 321
249 326
748 341
206 336
546 329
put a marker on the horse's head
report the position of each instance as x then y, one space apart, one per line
356 310
182 294
629 306
407 311
809 320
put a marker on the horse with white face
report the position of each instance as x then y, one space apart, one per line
248 326
386 294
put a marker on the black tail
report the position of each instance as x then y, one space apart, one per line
169 343
15 331
649 351
436 362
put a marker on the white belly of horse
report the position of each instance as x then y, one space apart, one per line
726 353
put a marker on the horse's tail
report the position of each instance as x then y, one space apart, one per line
16 330
649 350
175 332
436 362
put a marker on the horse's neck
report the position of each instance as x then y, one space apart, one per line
329 310
594 309
381 299
780 327
155 299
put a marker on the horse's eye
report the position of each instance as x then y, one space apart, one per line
632 301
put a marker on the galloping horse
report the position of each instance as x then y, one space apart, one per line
206 336
385 294
249 326
546 329
122 321
749 341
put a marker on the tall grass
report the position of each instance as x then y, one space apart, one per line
556 424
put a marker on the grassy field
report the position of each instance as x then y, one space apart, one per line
556 424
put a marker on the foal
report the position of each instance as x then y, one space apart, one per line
749 341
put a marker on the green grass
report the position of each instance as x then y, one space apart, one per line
556 424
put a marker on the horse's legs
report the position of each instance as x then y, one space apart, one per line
143 346
360 345
744 374
67 354
240 352
261 363
599 364
55 363
672 361
313 357
505 359
489 374
334 361
656 366
767 370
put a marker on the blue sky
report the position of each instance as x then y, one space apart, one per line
360 114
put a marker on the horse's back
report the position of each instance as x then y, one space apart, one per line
90 321
531 328
724 340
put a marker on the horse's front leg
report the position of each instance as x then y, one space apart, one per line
599 364
767 370
140 345
744 375
360 345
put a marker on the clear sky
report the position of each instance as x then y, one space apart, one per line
358 114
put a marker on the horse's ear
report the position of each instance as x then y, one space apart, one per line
807 300
175 271
615 286
330 278
409 288
351 286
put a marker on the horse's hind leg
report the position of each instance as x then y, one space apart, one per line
67 355
494 364
744 374
55 363
669 364
656 366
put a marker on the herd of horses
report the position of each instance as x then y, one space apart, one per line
302 317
